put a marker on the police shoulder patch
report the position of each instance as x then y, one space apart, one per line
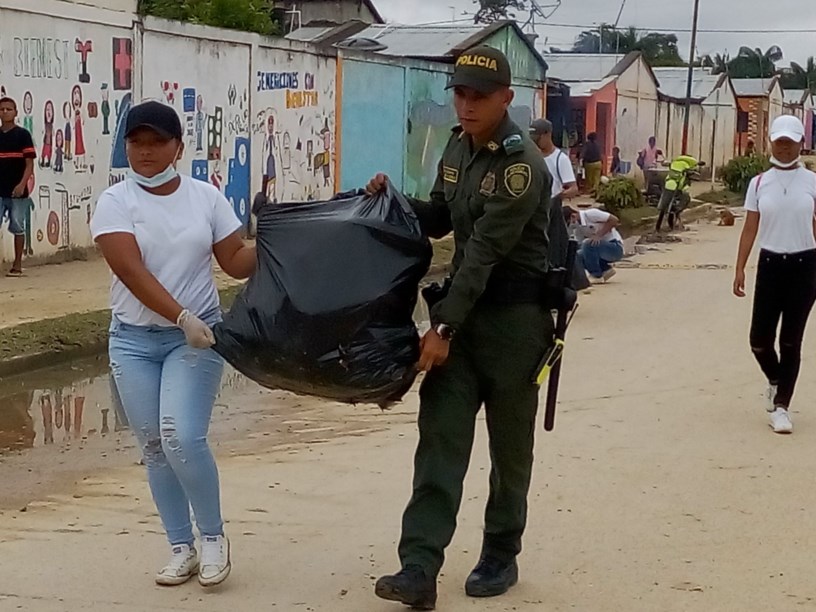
513 143
450 175
517 179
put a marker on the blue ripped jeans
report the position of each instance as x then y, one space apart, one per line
168 390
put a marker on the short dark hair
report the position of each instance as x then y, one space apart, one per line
7 100
568 211
592 137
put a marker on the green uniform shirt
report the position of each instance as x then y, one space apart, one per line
496 201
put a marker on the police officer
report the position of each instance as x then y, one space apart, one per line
488 335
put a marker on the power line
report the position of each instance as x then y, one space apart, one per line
577 26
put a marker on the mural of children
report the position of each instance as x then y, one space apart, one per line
199 123
270 176
216 178
66 113
48 136
59 153
28 109
79 140
106 109
326 134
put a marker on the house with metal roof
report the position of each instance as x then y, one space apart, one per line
293 14
396 108
614 96
800 102
713 119
760 102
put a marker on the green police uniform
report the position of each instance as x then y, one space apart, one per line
496 201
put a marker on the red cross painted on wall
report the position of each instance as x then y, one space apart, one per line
84 49
122 64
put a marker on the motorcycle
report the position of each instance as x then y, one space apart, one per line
676 190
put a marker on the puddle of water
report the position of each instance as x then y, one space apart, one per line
58 405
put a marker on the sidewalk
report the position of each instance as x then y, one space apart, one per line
56 290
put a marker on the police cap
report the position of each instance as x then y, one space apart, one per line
484 69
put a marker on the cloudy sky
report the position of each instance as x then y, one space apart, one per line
764 16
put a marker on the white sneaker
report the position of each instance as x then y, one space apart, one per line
781 422
607 276
183 566
215 560
771 394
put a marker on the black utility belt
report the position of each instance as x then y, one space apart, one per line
516 291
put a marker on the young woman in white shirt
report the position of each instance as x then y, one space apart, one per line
781 205
158 232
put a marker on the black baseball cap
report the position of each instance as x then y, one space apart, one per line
156 116
484 69
539 127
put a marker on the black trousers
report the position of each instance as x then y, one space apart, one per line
786 290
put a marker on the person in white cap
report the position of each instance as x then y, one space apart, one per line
781 205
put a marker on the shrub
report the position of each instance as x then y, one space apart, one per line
737 173
618 194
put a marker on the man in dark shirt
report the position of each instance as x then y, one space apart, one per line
593 162
17 157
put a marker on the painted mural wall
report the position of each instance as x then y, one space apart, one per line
293 125
72 82
211 97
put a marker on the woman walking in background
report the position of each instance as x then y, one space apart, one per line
780 206
158 232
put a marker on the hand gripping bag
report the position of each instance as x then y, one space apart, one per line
329 310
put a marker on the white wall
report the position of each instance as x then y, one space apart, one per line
125 6
637 118
293 125
712 127
41 67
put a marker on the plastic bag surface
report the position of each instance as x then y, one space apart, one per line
329 310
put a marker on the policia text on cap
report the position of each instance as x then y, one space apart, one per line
489 333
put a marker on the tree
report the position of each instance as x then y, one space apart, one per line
247 15
754 63
718 63
799 77
658 49
495 10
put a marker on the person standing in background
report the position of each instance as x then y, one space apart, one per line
565 187
592 159
17 155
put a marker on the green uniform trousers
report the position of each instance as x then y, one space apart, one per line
492 362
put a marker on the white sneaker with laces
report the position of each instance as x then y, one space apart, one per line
183 565
607 276
215 560
771 394
781 422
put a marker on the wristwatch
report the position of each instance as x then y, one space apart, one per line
446 332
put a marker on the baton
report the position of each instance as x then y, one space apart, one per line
567 306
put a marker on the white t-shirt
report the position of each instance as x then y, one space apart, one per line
594 219
560 167
175 234
786 220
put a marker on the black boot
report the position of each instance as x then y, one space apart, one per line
491 577
411 586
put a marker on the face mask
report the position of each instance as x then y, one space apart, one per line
162 178
783 165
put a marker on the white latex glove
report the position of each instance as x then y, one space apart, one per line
198 333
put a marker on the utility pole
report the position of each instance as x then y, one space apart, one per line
690 82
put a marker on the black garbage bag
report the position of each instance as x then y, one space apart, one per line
329 311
